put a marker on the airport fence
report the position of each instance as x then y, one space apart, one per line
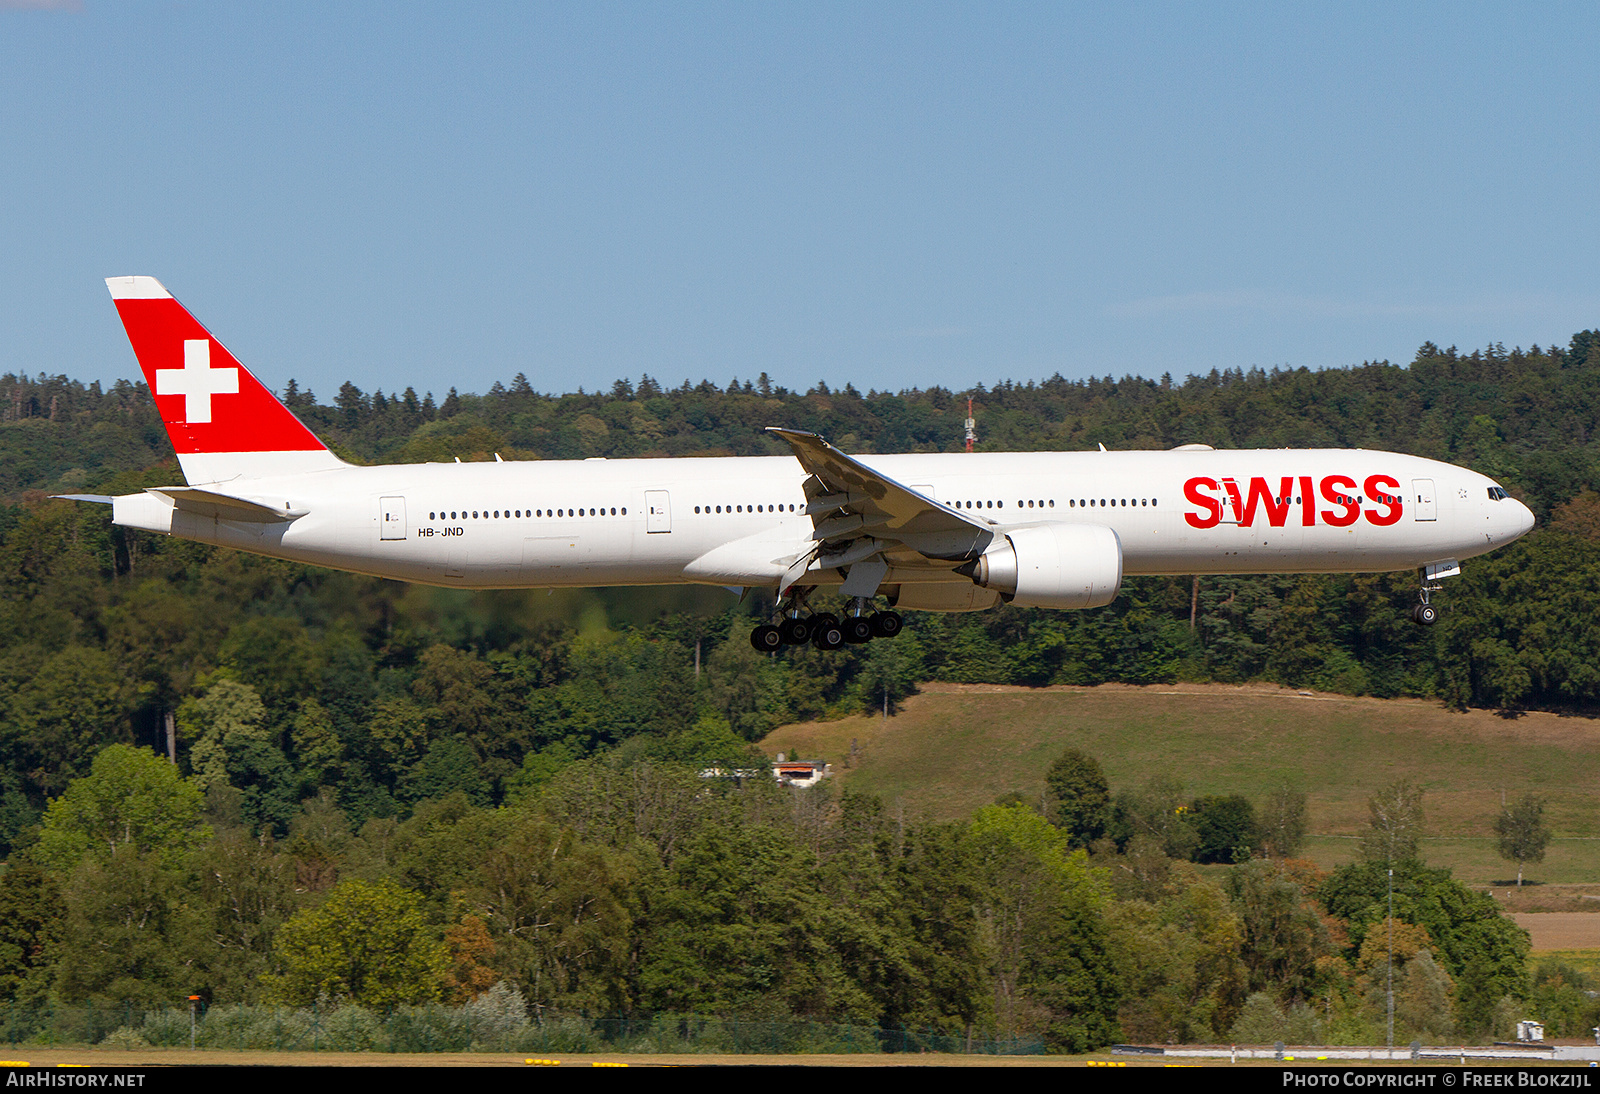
495 1022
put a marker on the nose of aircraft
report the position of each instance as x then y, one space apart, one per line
1512 521
1522 518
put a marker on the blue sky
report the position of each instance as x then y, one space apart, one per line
888 195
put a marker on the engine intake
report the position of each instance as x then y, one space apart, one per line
1052 566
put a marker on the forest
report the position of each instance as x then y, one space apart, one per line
510 784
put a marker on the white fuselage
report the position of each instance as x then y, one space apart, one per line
741 520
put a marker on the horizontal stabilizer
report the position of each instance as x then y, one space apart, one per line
209 503
98 499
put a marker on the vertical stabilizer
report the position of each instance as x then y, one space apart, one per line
223 422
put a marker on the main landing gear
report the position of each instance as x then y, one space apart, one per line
825 630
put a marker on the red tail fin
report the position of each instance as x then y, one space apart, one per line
223 423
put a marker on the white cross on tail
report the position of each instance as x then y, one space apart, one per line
197 381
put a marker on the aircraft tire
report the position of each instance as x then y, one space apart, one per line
795 631
886 624
828 635
857 629
1426 615
766 638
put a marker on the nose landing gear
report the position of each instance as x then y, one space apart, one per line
1423 613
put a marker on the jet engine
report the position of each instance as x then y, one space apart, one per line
1052 566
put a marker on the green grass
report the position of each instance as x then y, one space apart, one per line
1585 961
957 747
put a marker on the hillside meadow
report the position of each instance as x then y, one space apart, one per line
956 747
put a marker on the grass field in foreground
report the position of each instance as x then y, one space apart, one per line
956 747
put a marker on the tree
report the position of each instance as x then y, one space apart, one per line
1043 906
242 890
1284 935
1522 832
120 938
1424 1001
220 722
1226 825
368 943
1078 797
1484 952
73 705
131 797
1283 822
30 924
1395 824
1179 963
739 927
889 672
1158 811
469 944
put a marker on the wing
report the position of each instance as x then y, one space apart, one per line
862 516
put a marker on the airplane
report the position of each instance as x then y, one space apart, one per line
944 532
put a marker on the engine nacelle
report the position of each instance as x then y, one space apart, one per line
1052 566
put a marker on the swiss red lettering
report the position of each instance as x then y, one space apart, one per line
1211 496
1277 506
1384 491
1212 508
1337 489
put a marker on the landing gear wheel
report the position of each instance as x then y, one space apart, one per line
885 624
857 629
766 638
1426 615
826 633
795 631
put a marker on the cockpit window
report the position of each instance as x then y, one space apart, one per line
1497 494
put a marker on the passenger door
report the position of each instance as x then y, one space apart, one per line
657 511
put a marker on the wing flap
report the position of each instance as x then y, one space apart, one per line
852 487
858 513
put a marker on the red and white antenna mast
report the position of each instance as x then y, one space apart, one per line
972 425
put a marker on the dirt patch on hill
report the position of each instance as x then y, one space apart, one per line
1561 930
